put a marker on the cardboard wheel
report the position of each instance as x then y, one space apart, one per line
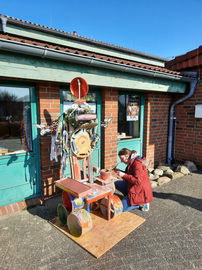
80 144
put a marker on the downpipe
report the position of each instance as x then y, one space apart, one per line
171 118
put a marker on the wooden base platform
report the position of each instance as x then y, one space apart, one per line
105 234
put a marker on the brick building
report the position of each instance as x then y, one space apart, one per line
188 125
37 65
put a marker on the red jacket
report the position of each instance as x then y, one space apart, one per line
139 187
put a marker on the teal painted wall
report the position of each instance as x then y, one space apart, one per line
20 173
27 67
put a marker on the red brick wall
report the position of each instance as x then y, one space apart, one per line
109 135
48 96
156 117
189 129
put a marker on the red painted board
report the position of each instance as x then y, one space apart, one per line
73 187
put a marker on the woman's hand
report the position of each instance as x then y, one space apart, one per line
119 173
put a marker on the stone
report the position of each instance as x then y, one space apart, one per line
176 175
146 162
150 170
163 167
168 173
163 180
158 172
183 169
151 176
153 184
191 166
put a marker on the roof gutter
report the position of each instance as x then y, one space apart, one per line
12 46
193 85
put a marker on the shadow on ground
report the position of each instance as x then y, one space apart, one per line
182 199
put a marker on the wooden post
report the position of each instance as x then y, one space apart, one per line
90 169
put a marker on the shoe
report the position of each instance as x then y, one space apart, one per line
144 207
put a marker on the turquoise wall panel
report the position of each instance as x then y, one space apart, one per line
134 144
20 172
18 179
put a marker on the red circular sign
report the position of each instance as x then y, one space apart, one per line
74 87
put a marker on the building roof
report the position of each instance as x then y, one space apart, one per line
188 60
39 42
85 53
77 37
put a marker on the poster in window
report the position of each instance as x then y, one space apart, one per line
132 113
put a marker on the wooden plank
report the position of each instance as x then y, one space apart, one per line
90 169
74 187
104 234
101 192
77 168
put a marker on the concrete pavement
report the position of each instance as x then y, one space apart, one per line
170 238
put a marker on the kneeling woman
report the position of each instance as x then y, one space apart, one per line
135 186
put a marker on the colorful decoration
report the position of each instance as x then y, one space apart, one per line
76 137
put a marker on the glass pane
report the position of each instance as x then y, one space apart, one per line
90 98
15 120
68 99
128 116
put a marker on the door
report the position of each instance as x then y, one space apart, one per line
19 148
130 122
93 98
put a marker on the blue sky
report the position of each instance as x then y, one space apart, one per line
166 28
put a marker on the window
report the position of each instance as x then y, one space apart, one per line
15 120
68 99
129 114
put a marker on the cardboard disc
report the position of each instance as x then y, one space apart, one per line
74 87
80 144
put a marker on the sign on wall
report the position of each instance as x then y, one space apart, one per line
132 113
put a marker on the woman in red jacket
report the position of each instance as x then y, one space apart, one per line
135 186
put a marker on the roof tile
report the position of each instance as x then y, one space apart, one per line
85 53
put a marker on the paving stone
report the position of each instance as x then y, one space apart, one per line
170 238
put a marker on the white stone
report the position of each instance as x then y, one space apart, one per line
183 169
153 184
163 167
158 172
163 180
176 175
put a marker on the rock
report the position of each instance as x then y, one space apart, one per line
191 166
174 166
163 180
146 162
150 170
183 169
168 173
158 172
153 184
163 167
151 176
176 175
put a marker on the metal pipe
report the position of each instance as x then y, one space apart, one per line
3 23
174 139
171 117
12 46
